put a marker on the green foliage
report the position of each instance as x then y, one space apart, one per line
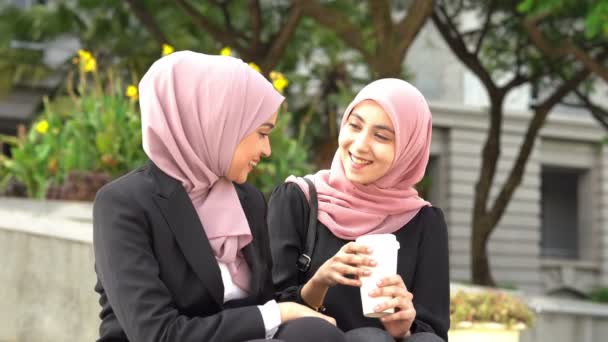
97 131
289 156
489 306
594 13
600 295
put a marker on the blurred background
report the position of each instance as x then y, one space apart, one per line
519 162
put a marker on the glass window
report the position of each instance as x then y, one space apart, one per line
560 212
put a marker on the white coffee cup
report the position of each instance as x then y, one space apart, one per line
384 250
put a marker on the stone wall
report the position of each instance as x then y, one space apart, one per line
47 274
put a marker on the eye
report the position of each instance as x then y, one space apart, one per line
263 135
382 137
354 126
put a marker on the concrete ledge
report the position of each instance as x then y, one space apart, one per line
47 274
63 220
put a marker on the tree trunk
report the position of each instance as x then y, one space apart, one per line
480 264
481 224
386 65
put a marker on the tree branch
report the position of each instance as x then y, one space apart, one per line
565 48
226 38
538 120
486 27
256 22
407 29
599 113
280 41
148 21
338 22
223 5
380 11
450 34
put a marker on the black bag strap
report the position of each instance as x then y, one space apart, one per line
311 233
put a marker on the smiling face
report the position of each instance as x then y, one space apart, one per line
367 143
250 150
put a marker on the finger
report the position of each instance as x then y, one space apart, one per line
356 248
392 280
346 281
354 259
391 291
402 315
344 269
394 303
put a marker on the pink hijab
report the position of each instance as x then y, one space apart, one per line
195 109
351 210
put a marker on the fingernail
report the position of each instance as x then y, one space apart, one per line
379 282
372 262
377 308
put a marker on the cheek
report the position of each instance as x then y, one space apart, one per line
385 153
344 140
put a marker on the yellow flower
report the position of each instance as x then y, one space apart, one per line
226 51
132 92
274 75
90 65
280 84
42 127
255 67
84 55
167 49
278 81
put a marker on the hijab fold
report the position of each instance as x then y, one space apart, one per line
350 210
195 109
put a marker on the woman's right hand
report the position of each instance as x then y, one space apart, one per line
291 310
350 260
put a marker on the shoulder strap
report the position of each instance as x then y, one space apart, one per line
311 233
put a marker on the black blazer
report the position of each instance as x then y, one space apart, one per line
157 277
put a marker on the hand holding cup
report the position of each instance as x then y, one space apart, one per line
353 260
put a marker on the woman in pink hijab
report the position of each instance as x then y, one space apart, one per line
181 244
383 153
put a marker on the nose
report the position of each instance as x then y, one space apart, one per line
360 143
266 150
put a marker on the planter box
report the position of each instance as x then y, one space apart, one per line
483 333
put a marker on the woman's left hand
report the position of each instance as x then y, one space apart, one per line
396 324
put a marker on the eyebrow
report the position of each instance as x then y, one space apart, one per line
375 126
267 124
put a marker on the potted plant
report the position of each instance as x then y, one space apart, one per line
488 315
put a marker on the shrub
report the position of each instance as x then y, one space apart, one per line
488 306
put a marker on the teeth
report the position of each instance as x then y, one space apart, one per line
253 164
359 161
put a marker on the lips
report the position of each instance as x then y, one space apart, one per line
358 162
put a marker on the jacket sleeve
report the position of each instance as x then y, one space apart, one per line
128 270
431 285
287 223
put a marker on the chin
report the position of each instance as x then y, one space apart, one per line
354 179
243 178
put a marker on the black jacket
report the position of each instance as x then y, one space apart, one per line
157 276
422 263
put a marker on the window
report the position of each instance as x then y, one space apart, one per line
561 212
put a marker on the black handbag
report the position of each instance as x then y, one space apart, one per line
311 234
